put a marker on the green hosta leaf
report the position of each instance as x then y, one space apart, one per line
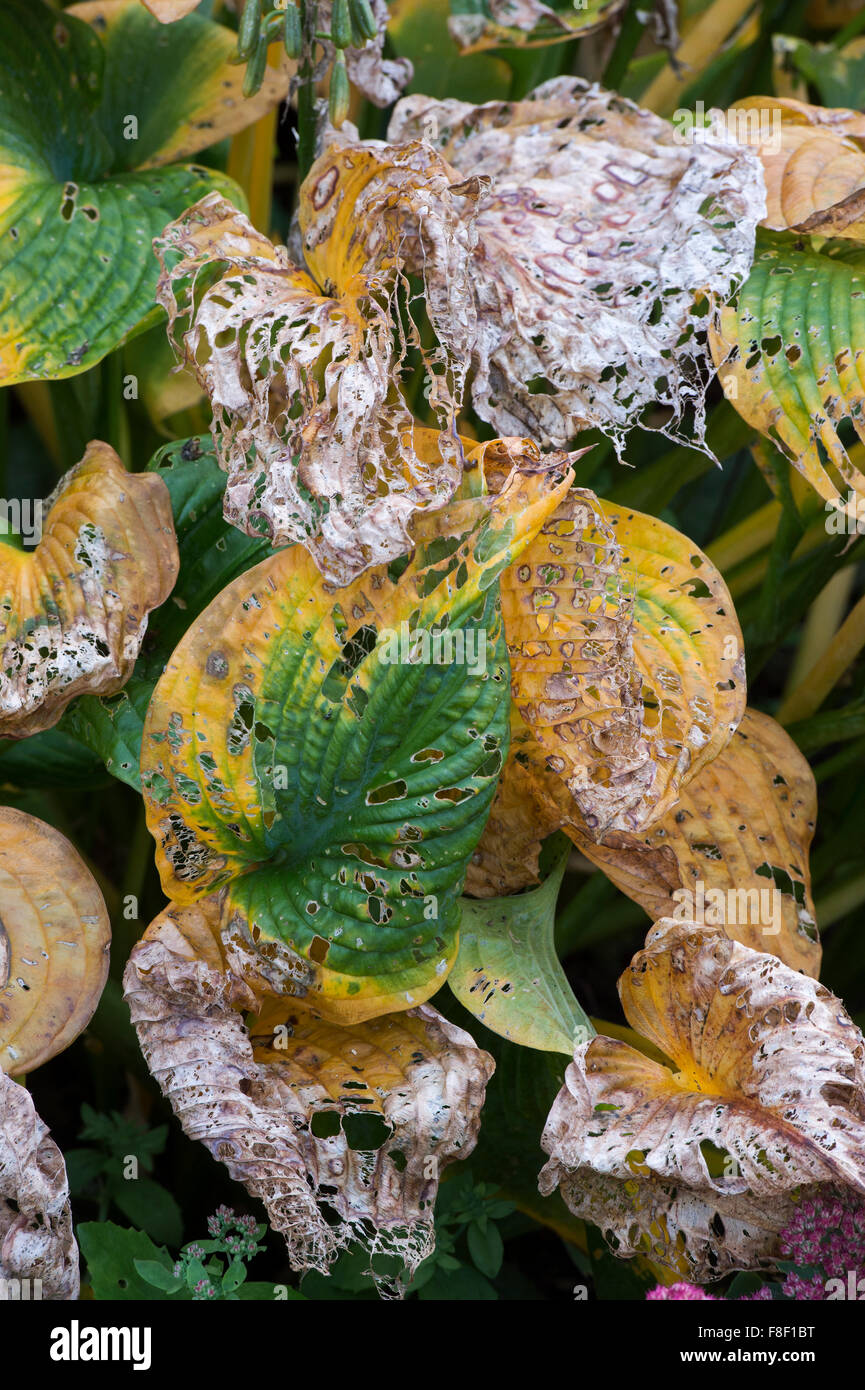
77 213
791 356
479 24
212 553
507 972
331 756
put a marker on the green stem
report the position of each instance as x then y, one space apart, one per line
841 901
306 92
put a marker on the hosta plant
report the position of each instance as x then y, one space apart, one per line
430 593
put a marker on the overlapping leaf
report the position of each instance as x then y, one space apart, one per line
601 230
87 110
332 757
290 1109
734 849
697 1164
301 366
791 354
54 941
74 610
626 659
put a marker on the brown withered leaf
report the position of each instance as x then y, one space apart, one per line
626 660
55 936
527 23
253 1101
301 366
696 1164
734 850
74 610
815 176
601 230
36 1240
839 119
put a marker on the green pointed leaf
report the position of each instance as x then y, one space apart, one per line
486 1247
507 972
77 212
156 1274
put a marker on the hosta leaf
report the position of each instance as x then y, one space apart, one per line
733 849
840 120
837 73
507 973
480 24
169 11
180 81
767 1069
54 942
599 233
626 657
336 777
791 357
77 214
305 1111
418 30
36 1240
74 610
815 177
301 365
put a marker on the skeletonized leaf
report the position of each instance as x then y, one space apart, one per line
480 24
36 1240
54 941
332 756
301 366
78 113
74 610
791 356
507 973
734 848
626 660
767 1068
285 1109
601 230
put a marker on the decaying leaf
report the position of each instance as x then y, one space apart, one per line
815 175
791 352
55 936
331 756
525 23
285 1109
733 852
838 119
507 972
74 610
301 366
601 232
699 1164
36 1240
626 660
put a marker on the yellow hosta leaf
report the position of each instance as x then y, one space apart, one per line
289 1109
767 1073
54 942
73 612
200 90
838 119
815 176
733 852
626 659
300 363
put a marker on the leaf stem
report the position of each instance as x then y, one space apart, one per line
306 91
700 46
824 675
